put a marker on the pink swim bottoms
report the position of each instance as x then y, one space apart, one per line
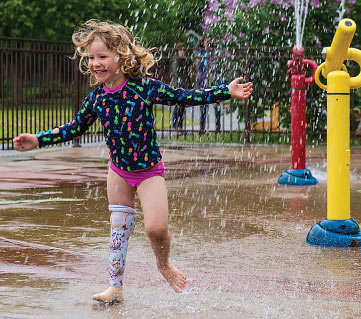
135 178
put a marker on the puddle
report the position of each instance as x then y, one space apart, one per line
239 238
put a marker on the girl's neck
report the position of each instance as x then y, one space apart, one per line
115 88
114 84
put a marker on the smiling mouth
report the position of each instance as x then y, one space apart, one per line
100 72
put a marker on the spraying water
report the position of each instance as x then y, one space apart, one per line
301 10
341 11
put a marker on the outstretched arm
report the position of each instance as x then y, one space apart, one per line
26 142
240 90
161 93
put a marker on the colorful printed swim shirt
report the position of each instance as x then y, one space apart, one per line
127 118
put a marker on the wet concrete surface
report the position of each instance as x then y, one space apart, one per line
239 238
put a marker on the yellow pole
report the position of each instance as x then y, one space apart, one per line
338 88
339 229
338 145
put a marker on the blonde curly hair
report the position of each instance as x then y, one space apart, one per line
134 60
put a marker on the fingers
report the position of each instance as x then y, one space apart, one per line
237 81
19 147
240 90
247 85
18 143
240 79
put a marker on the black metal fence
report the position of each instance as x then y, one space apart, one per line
41 87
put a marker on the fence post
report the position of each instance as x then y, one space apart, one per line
76 96
246 111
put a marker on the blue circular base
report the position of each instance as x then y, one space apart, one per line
335 233
297 177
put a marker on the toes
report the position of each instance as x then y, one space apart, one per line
177 290
181 284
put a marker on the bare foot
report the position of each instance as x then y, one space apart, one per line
111 294
174 276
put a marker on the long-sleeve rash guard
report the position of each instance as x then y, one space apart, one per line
127 118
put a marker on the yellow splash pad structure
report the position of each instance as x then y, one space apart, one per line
339 229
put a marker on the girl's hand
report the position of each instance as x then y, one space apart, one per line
26 142
240 91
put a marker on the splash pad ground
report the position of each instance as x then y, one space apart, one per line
239 238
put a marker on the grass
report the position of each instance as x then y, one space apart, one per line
254 138
38 118
164 118
231 137
32 120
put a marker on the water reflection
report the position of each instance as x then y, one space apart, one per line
238 237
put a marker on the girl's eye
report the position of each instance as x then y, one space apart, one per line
103 57
91 58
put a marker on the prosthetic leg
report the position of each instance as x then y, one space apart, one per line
122 220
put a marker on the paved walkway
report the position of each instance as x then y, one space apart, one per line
49 167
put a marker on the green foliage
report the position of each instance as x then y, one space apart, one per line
157 22
257 37
267 23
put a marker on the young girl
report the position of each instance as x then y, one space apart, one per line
123 101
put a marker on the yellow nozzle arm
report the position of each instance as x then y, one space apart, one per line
317 76
355 55
319 70
338 51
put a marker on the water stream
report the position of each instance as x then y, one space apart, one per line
301 10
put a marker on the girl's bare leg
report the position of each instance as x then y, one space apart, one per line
119 192
153 197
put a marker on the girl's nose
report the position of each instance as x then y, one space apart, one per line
96 62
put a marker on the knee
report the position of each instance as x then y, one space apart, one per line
157 233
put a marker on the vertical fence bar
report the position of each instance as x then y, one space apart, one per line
63 91
69 76
43 82
19 87
37 89
56 84
246 107
49 64
2 88
13 93
25 87
75 101
32 88
9 93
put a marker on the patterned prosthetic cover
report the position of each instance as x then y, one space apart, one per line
122 224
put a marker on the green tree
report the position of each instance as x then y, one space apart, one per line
266 28
157 22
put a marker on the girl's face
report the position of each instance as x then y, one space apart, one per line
103 64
